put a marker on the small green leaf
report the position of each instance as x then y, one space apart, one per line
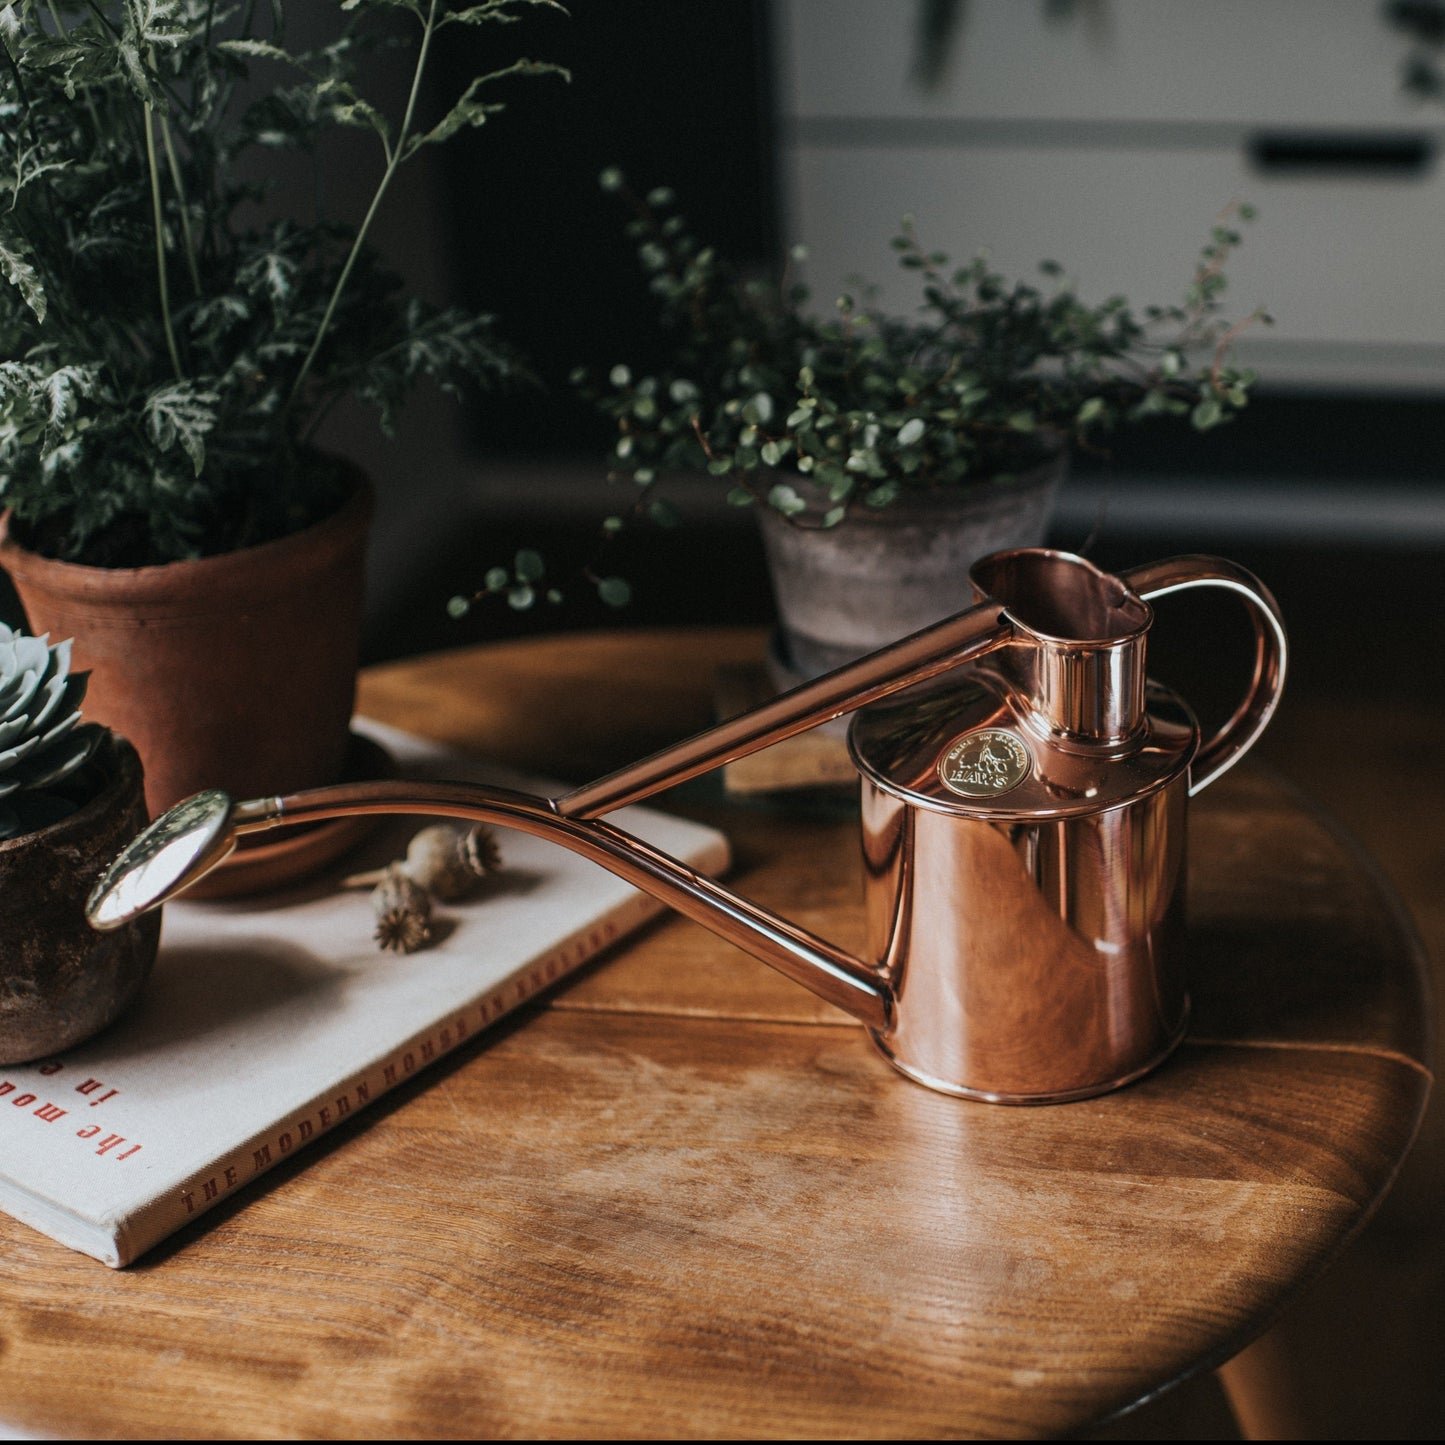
520 598
183 414
18 270
497 578
911 431
758 409
251 49
458 607
614 591
783 498
470 110
529 566
346 107
1208 413
10 30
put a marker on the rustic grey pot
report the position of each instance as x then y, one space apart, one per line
847 590
60 981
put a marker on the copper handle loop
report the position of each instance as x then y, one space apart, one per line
1271 652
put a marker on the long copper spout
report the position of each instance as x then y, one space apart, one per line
198 833
181 845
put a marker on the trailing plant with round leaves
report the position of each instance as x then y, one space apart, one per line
984 380
43 743
985 377
167 352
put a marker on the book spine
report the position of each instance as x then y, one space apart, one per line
232 1171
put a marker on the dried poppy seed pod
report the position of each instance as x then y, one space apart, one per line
448 862
403 912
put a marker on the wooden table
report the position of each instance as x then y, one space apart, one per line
682 1197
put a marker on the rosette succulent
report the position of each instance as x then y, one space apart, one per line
42 740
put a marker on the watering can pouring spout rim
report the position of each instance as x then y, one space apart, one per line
1070 637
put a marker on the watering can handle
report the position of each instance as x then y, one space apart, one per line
1237 736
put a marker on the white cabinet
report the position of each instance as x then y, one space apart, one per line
1109 138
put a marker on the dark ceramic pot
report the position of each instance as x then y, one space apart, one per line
60 981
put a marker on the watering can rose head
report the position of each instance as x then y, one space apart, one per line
42 740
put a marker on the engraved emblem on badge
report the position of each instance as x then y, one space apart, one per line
984 763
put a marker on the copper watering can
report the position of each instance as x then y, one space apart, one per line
1023 829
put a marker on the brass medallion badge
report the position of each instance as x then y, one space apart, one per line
984 763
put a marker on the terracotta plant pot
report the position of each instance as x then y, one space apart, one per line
60 980
236 671
844 591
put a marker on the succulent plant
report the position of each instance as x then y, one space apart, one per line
42 740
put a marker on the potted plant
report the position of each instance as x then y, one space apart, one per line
71 796
883 453
168 351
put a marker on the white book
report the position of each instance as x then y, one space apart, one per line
268 1021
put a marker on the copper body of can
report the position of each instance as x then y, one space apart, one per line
1031 962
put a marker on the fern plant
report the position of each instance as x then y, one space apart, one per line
167 352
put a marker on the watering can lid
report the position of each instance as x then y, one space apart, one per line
957 745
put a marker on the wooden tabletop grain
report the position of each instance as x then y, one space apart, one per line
683 1197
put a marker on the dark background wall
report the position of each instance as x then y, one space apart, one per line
676 95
